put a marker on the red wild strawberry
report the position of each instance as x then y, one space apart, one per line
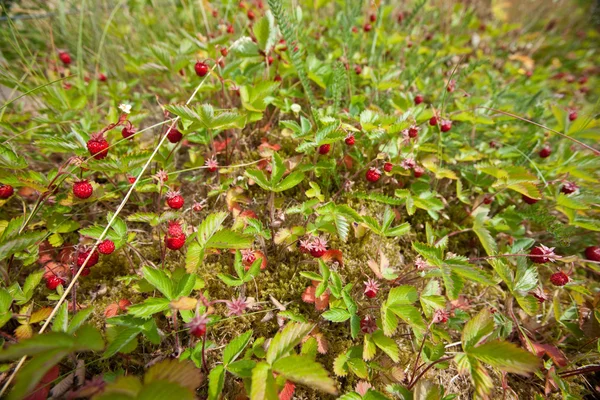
418 172
174 135
248 256
371 288
413 131
127 132
277 78
487 199
251 15
86 271
545 151
211 164
224 51
354 29
368 324
102 77
572 115
230 29
6 191
373 174
64 57
440 316
529 200
350 140
387 167
446 125
318 247
593 253
53 282
451 86
542 254
433 121
372 17
197 326
269 60
559 278
82 189
367 27
131 179
201 69
324 149
98 146
106 247
418 99
175 238
83 255
569 187
175 200
357 69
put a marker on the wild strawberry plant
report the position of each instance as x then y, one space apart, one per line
307 199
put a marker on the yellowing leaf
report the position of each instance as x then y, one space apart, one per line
184 303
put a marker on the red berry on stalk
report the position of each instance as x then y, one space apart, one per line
371 288
224 51
529 200
174 135
324 149
127 132
250 15
277 78
175 200
418 99
357 69
98 147
269 60
82 189
64 57
572 115
230 29
6 191
418 172
102 77
201 69
559 278
372 17
53 282
569 187
387 167
446 125
545 151
593 253
413 131
354 29
433 121
83 255
350 140
86 271
175 238
367 27
373 174
197 326
368 324
541 254
106 247
488 199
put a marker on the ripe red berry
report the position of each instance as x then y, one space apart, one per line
250 15
387 167
373 174
277 78
371 288
569 187
487 199
175 238
102 77
418 99
593 253
433 121
368 324
127 132
174 135
354 29
86 271
53 282
350 140
317 252
418 172
64 57
413 131
175 200
572 115
357 69
230 29
82 256
198 330
106 247
131 179
82 189
538 255
559 278
372 17
446 125
545 151
269 60
224 51
324 149
6 191
367 27
201 69
529 200
98 147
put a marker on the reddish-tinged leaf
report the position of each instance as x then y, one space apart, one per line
348 161
333 255
309 294
111 310
554 353
43 387
322 302
322 344
288 391
124 304
220 145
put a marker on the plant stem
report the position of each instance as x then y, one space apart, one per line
412 384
